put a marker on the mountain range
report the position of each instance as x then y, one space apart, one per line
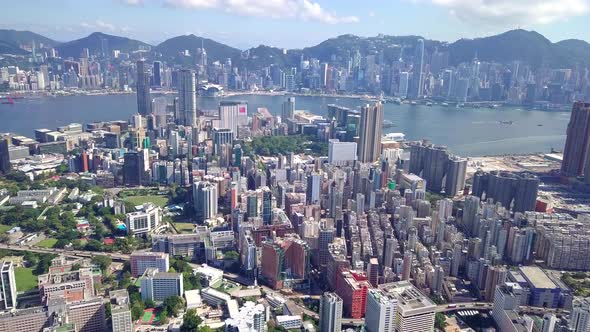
515 45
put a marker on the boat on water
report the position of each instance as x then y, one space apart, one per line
8 101
413 103
387 124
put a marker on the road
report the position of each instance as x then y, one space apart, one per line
70 253
464 306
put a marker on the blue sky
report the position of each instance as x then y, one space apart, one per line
295 23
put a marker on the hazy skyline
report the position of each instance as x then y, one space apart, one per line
295 23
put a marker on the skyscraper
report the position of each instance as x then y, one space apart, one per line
157 71
187 97
144 100
417 79
7 286
577 144
330 313
314 183
369 147
4 156
404 80
288 109
381 311
133 168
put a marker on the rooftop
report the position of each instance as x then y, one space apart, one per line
408 296
537 277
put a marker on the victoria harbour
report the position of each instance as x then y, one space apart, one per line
483 131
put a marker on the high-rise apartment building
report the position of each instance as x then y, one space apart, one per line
157 286
577 144
580 316
141 261
120 311
205 196
512 190
288 109
282 255
330 313
7 286
434 163
142 84
373 271
369 146
87 315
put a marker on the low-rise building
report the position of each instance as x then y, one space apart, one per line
289 322
144 220
210 276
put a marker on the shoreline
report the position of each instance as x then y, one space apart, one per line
368 98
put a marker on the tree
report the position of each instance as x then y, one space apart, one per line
43 265
125 281
440 321
231 255
31 258
4 238
172 305
103 262
191 321
191 281
150 303
136 311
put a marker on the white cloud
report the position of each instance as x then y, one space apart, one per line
371 14
511 13
131 2
306 10
100 25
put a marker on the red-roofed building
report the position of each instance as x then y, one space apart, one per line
108 241
352 287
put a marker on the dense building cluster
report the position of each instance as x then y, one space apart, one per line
298 203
